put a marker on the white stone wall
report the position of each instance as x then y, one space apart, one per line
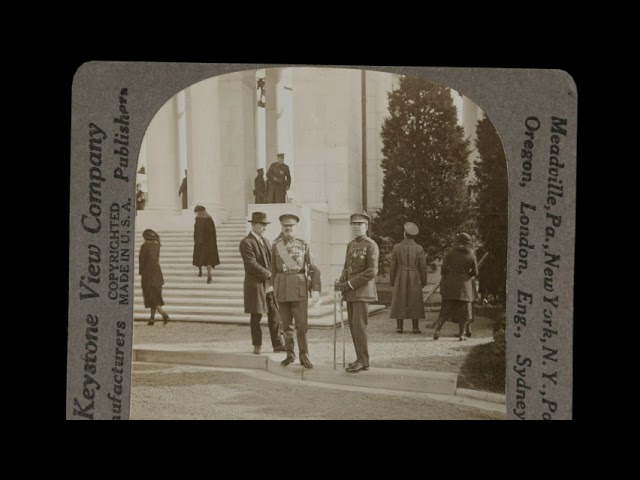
379 84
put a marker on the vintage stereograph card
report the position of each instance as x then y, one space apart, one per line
321 242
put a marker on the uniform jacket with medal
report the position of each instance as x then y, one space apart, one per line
279 173
290 267
360 269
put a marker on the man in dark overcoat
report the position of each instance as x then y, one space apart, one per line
279 180
258 285
408 276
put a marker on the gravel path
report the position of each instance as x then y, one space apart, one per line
387 349
192 393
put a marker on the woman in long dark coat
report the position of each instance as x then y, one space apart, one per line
151 273
408 275
205 248
458 268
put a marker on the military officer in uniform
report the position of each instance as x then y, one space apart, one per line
358 285
290 266
278 180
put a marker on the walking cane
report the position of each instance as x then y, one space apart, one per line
335 320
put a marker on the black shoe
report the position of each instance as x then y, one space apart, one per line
352 364
436 335
165 319
304 361
279 348
151 322
209 279
416 331
288 360
357 368
468 331
200 273
399 330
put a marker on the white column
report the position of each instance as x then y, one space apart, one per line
260 120
272 78
204 160
237 100
163 176
279 119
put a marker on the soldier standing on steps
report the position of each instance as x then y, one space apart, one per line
291 262
359 286
279 181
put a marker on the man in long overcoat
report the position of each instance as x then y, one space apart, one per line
279 181
258 285
408 275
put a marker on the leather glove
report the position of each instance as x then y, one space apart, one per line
343 287
315 297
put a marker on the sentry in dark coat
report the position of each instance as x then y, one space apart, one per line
408 275
151 274
257 263
205 249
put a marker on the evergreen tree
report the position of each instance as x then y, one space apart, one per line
425 165
491 203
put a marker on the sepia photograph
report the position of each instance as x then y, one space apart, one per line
316 243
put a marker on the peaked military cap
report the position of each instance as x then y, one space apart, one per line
360 218
289 219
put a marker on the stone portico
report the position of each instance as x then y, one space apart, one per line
218 133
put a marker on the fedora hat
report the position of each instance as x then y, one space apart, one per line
259 217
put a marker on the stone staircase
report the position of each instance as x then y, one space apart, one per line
188 298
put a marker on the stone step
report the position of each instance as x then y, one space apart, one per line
170 275
190 282
235 256
317 316
195 294
231 310
189 249
189 243
196 289
385 378
314 322
169 237
174 301
183 266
